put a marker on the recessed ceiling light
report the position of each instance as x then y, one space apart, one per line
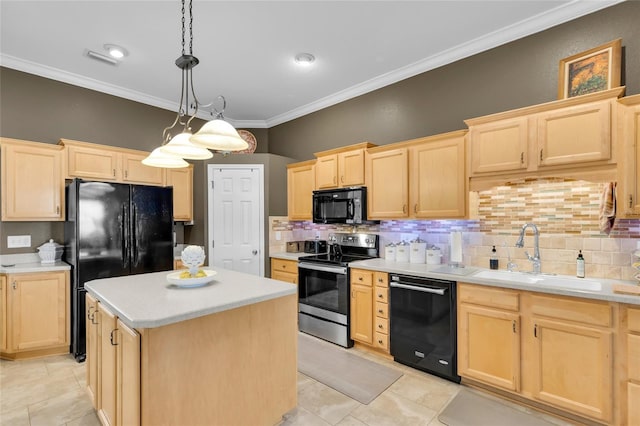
116 52
304 59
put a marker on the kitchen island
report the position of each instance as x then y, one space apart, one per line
221 354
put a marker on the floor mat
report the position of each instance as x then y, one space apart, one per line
469 408
354 376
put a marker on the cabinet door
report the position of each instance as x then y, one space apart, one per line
351 168
108 363
133 171
387 176
39 310
32 182
633 407
499 146
284 276
362 313
182 182
300 186
573 367
3 313
93 346
437 179
482 330
92 163
575 134
327 172
629 182
128 376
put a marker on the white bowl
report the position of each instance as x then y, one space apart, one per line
174 278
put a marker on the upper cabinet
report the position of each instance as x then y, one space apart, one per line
105 163
421 178
32 181
182 182
628 175
574 132
300 187
341 167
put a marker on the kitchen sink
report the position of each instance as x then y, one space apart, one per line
543 280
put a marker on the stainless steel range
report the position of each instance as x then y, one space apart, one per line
323 286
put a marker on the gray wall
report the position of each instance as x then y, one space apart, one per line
518 74
521 73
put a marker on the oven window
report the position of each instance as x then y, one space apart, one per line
323 290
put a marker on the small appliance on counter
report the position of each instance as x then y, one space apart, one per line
295 246
315 246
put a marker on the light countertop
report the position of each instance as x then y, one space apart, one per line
28 263
289 255
466 274
148 300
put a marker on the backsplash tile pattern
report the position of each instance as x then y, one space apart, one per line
565 211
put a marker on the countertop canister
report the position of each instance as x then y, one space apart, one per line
402 251
434 255
417 251
390 252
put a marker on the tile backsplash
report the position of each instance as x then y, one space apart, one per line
565 211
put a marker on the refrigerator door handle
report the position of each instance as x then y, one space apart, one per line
125 246
134 237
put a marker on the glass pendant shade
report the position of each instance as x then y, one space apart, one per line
180 146
220 136
157 158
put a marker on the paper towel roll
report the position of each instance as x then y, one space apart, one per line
455 239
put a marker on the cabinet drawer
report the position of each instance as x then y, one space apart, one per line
381 341
491 297
633 316
381 279
633 353
382 294
581 311
381 325
284 276
283 265
382 310
359 276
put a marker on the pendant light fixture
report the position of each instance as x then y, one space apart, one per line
182 145
218 134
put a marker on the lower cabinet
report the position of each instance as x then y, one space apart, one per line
284 270
555 350
35 314
369 308
633 366
115 385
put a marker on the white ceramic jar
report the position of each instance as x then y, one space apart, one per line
390 252
417 251
434 255
402 252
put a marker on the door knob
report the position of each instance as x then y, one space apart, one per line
254 252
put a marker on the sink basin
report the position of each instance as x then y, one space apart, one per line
518 277
542 280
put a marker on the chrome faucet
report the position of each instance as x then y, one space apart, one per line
535 259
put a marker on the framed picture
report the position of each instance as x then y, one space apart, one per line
591 71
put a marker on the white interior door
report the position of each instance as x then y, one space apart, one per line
236 217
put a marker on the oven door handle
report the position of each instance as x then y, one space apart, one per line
314 267
438 291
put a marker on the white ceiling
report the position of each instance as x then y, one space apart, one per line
246 48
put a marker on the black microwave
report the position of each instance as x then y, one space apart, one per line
342 205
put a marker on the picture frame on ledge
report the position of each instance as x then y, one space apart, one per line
590 71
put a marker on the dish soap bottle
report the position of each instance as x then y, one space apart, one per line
493 260
580 265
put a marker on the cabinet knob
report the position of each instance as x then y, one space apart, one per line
57 209
415 208
379 325
541 157
14 285
111 337
114 172
379 311
380 296
380 341
359 278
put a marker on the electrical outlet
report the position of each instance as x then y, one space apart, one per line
17 241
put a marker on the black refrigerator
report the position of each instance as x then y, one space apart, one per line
113 229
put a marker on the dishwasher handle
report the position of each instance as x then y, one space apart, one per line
438 291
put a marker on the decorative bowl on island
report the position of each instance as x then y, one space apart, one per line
175 278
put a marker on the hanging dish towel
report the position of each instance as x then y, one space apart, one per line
608 208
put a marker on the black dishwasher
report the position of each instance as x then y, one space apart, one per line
423 324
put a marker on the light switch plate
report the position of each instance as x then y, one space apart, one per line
17 241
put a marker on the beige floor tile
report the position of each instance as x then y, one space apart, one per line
436 422
60 409
16 372
390 409
18 417
304 381
350 421
33 390
430 392
89 419
302 417
325 402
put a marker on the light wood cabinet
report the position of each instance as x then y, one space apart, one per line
362 306
3 313
300 187
628 168
488 319
37 316
182 182
118 371
551 137
133 171
421 178
633 366
91 161
284 270
32 181
341 167
93 345
381 311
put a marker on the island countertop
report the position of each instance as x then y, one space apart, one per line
149 301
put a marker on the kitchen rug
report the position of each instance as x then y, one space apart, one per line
354 376
469 408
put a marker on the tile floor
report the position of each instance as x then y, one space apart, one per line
51 391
